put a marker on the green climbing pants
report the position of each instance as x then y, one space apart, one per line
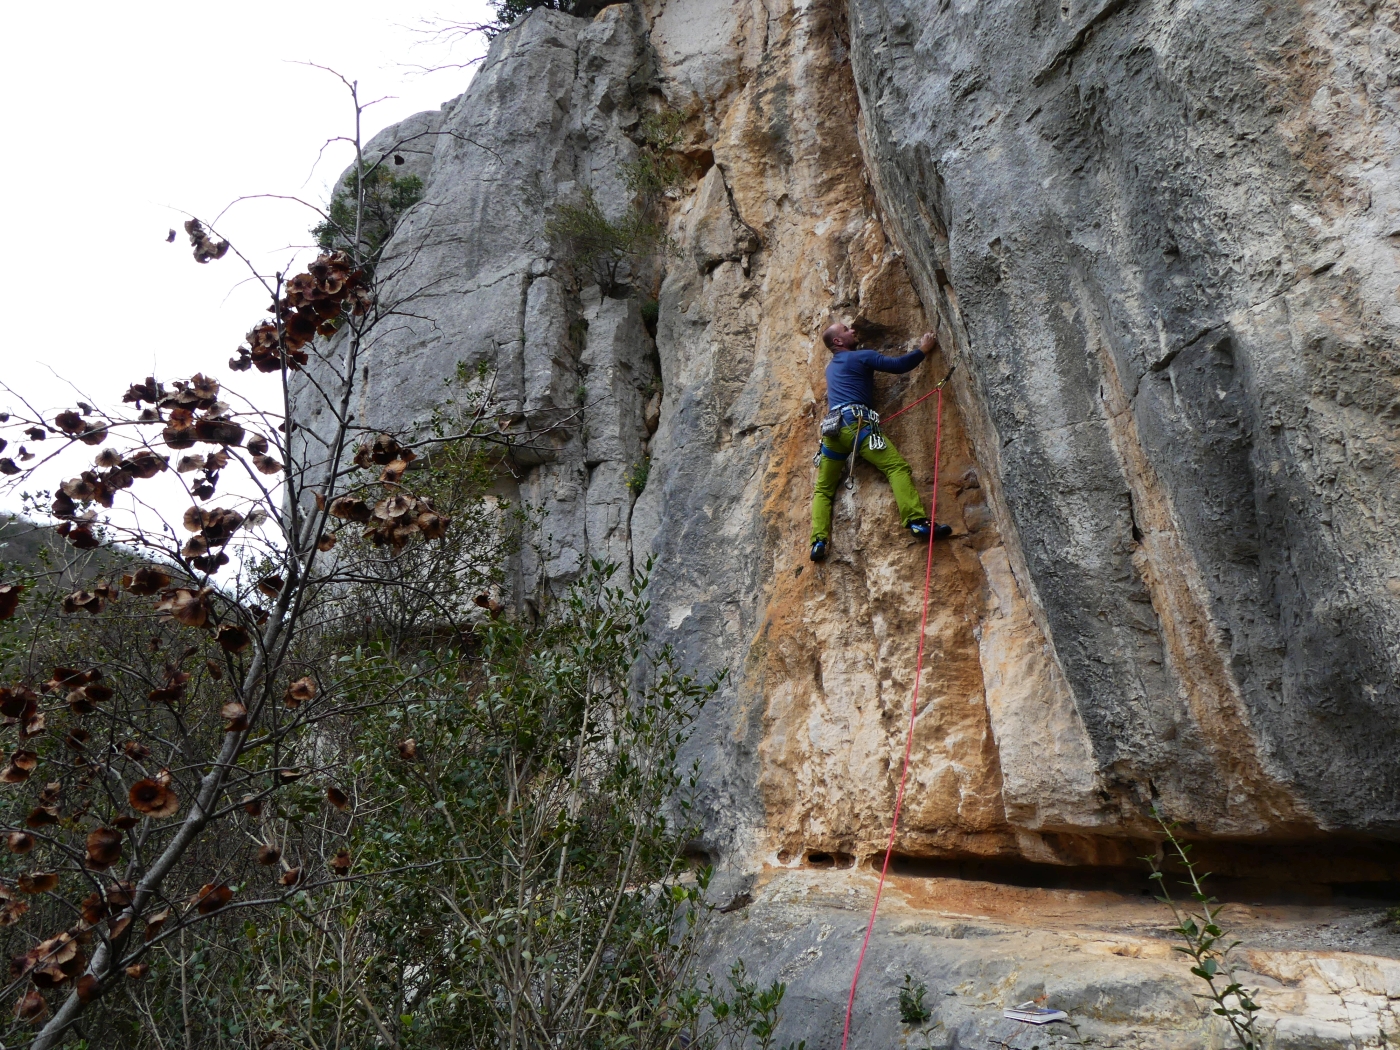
891 464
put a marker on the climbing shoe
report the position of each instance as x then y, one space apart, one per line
920 530
819 550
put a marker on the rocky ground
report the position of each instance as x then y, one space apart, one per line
1328 974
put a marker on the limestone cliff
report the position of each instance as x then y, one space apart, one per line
1161 242
1165 235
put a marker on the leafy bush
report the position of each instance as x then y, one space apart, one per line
364 210
529 889
1207 944
508 12
598 247
637 477
657 167
912 1010
601 248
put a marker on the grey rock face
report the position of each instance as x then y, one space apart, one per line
1167 265
477 283
1168 271
1165 234
1162 243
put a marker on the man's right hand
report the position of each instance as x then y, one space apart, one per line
929 343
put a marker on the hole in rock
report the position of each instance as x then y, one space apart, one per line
701 158
698 857
822 859
873 333
1317 872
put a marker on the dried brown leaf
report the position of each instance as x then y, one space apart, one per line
83 601
191 608
144 581
348 508
88 988
211 898
153 799
299 692
42 816
206 248
94 909
36 881
232 638
104 847
155 921
31 1008
9 599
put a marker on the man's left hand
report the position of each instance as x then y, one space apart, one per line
929 343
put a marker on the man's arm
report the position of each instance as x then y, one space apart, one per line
905 362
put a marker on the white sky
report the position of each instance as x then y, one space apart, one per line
119 117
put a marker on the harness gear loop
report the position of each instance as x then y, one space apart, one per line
847 415
913 709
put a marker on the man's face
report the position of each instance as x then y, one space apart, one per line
843 337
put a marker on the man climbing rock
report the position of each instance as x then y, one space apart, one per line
851 425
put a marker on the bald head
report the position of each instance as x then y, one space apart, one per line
839 337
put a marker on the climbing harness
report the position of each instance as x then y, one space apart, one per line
869 434
913 703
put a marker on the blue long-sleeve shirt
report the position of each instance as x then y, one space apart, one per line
850 377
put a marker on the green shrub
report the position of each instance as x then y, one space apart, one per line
508 12
599 248
912 1010
657 168
637 477
1207 944
386 197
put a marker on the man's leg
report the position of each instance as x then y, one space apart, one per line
893 466
828 478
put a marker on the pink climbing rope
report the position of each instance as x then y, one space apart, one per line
913 707
936 390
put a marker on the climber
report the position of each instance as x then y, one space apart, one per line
851 424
